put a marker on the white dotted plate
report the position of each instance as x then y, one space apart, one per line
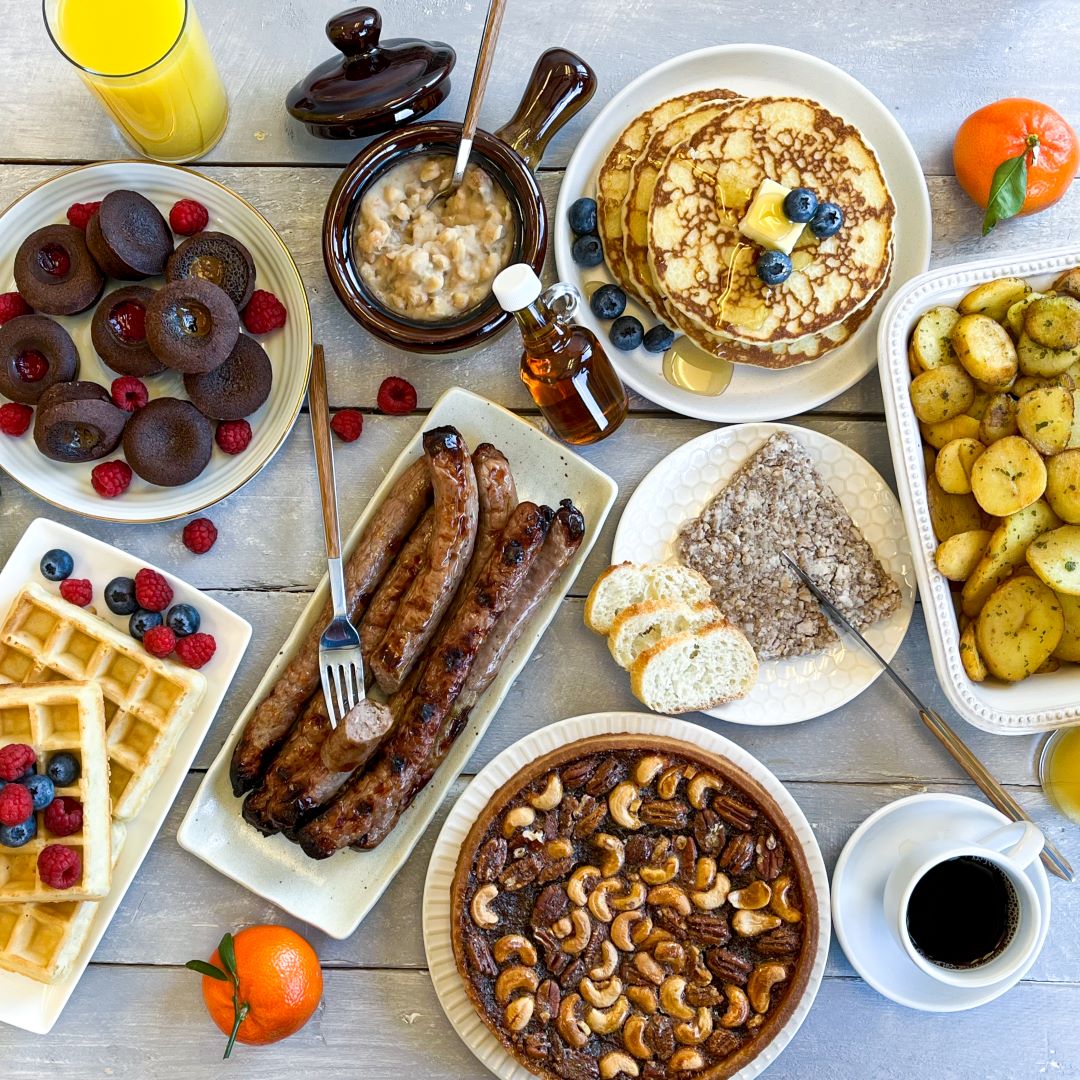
787 691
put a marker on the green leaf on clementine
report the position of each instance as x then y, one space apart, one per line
203 968
1008 189
228 954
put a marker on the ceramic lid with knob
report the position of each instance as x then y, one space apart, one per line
372 86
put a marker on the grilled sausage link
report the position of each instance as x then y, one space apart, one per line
496 497
275 715
370 803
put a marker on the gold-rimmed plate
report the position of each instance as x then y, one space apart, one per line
68 486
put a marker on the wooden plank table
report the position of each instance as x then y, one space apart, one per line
137 1013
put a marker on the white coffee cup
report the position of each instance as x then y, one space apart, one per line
1010 848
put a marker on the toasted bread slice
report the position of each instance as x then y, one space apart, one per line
632 583
640 625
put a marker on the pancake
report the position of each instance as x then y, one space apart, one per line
613 181
707 270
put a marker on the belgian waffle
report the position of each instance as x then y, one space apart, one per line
148 702
60 717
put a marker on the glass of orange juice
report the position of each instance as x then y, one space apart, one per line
1059 771
150 66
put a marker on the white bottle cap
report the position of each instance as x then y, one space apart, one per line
516 287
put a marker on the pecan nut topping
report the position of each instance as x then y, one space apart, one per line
702 996
592 813
536 1047
665 813
660 1035
734 811
728 967
783 941
709 927
548 1000
575 775
722 1043
770 857
478 954
738 854
550 906
555 871
491 859
609 773
521 872
709 831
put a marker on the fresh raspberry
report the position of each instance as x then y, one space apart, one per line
111 478
233 436
15 418
264 312
188 217
159 641
80 213
348 424
152 591
396 396
196 649
16 804
129 393
199 535
77 591
12 305
15 760
59 867
63 816
31 366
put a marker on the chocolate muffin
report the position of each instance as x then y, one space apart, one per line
168 442
118 331
218 258
77 421
55 271
191 325
128 236
35 353
236 388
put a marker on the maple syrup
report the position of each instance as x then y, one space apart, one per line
690 367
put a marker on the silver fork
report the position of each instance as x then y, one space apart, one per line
341 666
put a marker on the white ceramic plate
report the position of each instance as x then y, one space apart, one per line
438 944
289 349
679 487
858 904
1043 701
335 894
23 1002
754 70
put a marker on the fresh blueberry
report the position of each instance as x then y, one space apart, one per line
120 596
582 216
774 267
587 251
63 769
141 621
626 333
17 835
56 565
608 302
182 619
42 790
827 220
800 204
658 338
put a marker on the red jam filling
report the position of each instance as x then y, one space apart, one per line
31 366
54 260
128 322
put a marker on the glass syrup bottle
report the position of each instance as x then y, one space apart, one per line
564 366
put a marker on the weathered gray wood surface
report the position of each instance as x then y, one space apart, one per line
137 1014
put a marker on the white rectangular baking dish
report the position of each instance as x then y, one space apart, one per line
1044 701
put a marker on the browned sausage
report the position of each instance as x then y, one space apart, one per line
271 721
370 803
428 596
496 497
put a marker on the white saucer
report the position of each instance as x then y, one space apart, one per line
858 909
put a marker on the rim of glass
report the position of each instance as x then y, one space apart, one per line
104 74
1046 752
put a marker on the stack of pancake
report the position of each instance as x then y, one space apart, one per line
674 188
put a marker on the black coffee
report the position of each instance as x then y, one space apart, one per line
962 912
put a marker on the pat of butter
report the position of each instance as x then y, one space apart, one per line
765 222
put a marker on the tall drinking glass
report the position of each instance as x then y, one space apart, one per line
150 66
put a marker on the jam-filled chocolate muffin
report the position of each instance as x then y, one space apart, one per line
77 421
168 442
55 272
236 388
191 325
35 353
128 236
118 331
218 258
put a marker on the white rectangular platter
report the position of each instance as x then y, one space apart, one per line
335 894
1044 701
23 1002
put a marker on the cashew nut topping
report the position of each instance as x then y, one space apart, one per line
610 962
624 803
612 847
668 784
752 923
551 796
634 1035
672 954
521 817
643 998
514 945
656 936
562 927
513 979
755 1021
559 848
713 898
698 789
759 986
671 998
629 929
751 898
781 902
605 1021
670 896
519 1012
598 898
738 1007
686 1059
615 1062
601 994
647 768
581 882
571 1027
705 873
582 931
648 967
659 875
630 900
480 907
692 1034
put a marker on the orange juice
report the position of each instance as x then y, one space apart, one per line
1060 771
149 64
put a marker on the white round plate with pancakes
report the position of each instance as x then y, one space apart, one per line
758 71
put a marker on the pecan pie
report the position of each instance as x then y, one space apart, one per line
633 907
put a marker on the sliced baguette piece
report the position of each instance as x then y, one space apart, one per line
640 625
629 583
695 670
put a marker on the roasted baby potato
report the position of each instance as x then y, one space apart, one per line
985 351
942 393
1063 485
1055 557
954 463
951 514
1018 628
1045 418
1054 321
1008 476
999 420
969 655
994 298
1068 648
930 344
959 427
1014 317
1069 283
1041 360
958 556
